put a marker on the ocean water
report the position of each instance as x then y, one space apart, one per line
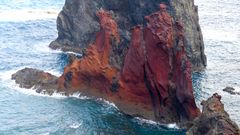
220 23
28 26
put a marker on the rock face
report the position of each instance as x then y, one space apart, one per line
213 120
154 81
77 24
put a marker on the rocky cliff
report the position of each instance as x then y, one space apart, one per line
77 24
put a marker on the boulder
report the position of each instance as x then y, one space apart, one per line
38 80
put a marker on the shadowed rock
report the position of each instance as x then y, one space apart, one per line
214 120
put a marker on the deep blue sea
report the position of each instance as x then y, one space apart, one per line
28 26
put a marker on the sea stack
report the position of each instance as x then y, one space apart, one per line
154 81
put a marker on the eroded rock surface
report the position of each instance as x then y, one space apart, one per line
77 24
214 120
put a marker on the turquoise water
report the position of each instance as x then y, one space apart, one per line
26 29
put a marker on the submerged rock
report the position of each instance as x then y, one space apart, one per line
231 91
77 24
214 120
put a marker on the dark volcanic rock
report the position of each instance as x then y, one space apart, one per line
41 81
77 24
231 91
214 120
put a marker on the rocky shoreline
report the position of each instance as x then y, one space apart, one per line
141 60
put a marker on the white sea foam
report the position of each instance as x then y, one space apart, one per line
26 15
32 92
78 95
142 121
75 125
6 75
174 125
237 89
107 102
77 54
43 47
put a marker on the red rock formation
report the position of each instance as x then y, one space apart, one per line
155 80
182 76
